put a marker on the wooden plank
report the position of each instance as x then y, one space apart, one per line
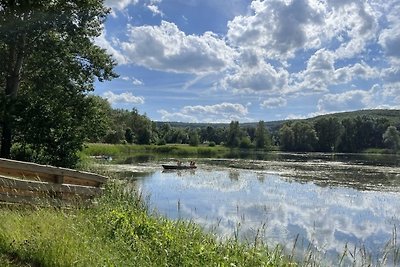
51 174
18 185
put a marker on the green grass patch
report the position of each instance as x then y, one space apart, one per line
118 231
170 150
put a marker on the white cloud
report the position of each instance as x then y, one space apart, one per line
223 112
223 108
106 44
176 116
282 28
155 10
321 73
123 98
274 102
166 48
253 74
389 38
120 4
279 27
357 23
136 82
350 100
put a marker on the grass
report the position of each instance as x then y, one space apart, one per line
170 150
118 231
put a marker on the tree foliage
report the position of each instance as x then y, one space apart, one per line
51 65
262 137
328 132
391 138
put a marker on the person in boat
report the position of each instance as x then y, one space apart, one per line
179 163
192 163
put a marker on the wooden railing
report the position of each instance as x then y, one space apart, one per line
25 182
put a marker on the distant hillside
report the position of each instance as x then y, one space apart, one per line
392 115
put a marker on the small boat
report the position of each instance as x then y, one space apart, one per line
178 167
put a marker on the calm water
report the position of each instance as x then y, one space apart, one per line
325 203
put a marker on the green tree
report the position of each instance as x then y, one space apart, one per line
305 137
347 140
245 142
392 138
194 139
234 134
129 135
286 138
328 132
262 137
50 56
300 136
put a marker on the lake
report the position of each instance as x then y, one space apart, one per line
336 208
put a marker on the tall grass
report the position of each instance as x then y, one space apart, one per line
172 150
118 231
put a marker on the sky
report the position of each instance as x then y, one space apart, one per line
223 60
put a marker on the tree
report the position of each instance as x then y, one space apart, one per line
261 135
194 139
392 138
234 134
305 137
50 57
347 140
300 136
286 138
129 135
328 132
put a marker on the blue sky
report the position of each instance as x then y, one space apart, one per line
224 60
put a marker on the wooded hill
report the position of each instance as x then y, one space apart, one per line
393 115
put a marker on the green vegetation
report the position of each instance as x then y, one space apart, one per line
49 66
123 151
349 135
118 231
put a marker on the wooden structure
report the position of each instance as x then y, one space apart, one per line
24 182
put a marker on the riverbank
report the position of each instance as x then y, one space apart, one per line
118 231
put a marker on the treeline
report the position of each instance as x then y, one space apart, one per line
323 134
330 134
131 127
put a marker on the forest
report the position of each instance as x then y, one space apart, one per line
349 132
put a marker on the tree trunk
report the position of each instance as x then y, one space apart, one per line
16 55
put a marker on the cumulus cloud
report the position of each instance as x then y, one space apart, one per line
389 38
279 27
104 43
256 75
127 98
350 100
167 48
320 73
223 112
356 23
283 28
274 102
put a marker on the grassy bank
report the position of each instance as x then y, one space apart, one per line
173 149
118 231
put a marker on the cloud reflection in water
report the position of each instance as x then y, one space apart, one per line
228 200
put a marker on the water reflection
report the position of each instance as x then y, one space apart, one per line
329 205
